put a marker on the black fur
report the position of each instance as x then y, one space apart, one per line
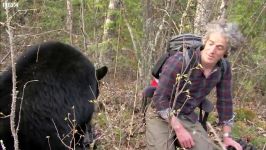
59 84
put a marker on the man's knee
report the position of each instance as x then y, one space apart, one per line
159 135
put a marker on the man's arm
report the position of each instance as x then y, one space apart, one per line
225 107
184 137
167 80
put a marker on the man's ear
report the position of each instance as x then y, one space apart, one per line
101 72
226 53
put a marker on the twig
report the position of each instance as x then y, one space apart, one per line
22 97
132 133
3 116
134 106
216 136
5 57
58 135
2 145
48 140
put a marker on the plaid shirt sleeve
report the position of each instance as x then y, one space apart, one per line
167 80
224 98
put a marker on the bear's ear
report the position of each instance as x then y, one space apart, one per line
101 72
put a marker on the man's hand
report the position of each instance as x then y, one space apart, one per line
183 136
228 141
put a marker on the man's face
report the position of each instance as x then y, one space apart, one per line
215 48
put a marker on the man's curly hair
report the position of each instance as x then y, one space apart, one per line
230 30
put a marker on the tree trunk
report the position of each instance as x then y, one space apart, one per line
69 22
223 9
84 33
146 53
107 54
109 31
203 15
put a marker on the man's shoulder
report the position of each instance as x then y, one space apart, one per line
174 63
178 56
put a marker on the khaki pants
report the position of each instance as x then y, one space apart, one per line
160 136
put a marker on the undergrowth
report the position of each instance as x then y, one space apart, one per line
119 121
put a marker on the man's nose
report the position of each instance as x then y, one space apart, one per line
212 48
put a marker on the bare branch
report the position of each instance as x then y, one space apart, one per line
69 22
14 92
58 135
84 33
22 97
5 57
2 145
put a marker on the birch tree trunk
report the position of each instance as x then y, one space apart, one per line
85 35
107 54
69 22
109 32
203 15
223 10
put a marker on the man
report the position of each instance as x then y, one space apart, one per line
169 119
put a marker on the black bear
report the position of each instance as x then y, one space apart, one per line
56 86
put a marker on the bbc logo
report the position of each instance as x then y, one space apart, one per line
9 5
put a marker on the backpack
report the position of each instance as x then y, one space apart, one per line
186 43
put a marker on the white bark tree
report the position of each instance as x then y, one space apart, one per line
69 21
223 9
107 54
82 20
203 15
111 17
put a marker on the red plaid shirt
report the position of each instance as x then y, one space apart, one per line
199 88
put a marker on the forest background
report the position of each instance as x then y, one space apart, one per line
128 36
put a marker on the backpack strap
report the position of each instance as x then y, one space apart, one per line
190 58
223 64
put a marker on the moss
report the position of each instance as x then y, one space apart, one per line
239 129
212 118
118 133
261 124
101 120
242 130
243 114
259 142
